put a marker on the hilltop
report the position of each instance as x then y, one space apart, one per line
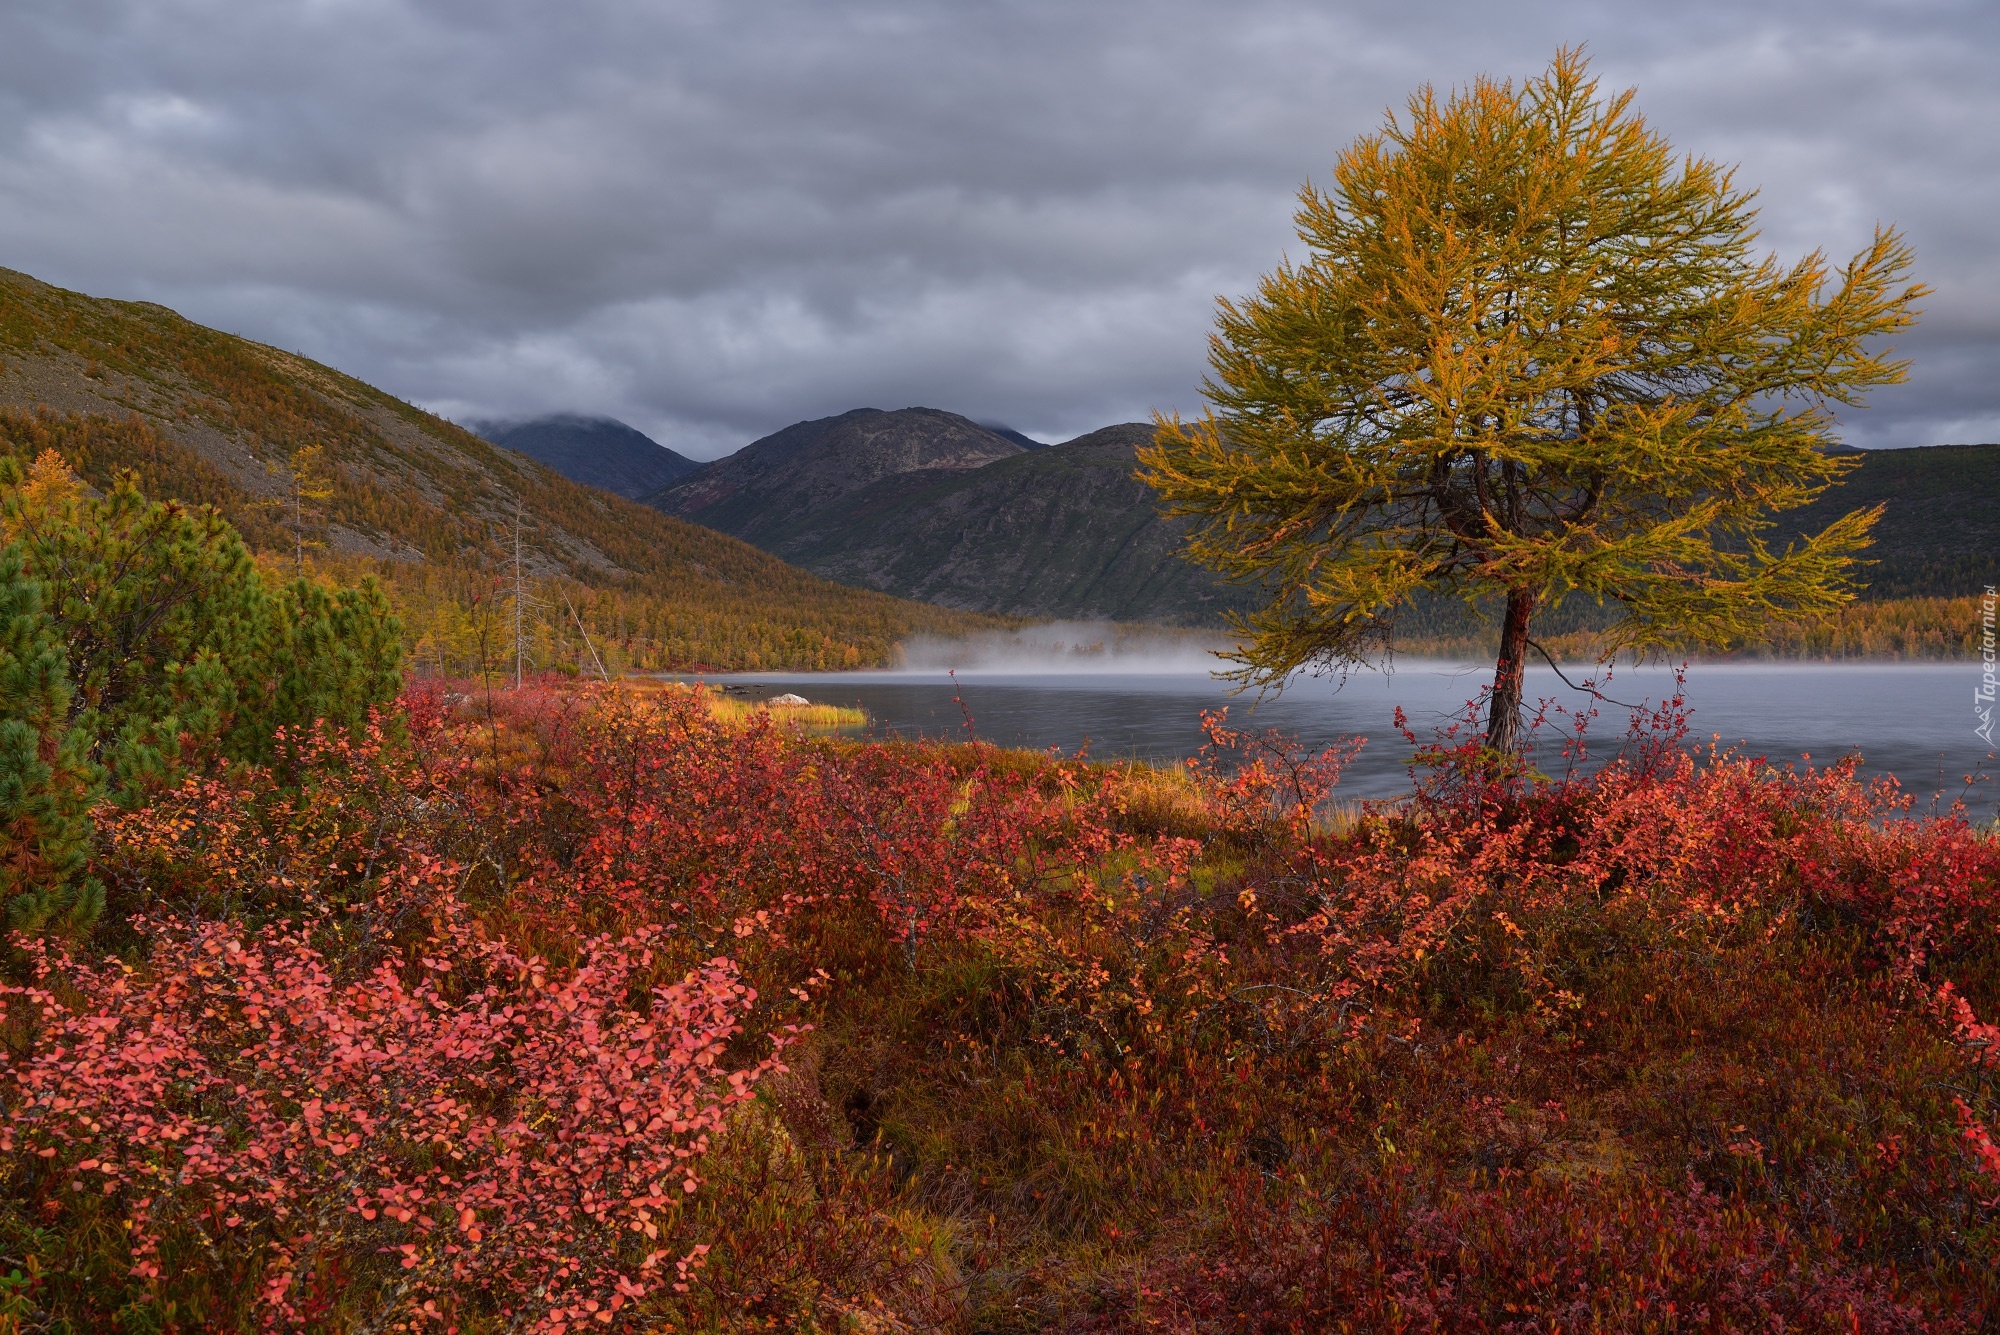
780 491
207 417
599 452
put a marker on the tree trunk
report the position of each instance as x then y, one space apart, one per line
1503 719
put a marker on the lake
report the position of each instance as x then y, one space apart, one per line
1911 720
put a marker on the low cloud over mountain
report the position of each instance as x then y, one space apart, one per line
709 220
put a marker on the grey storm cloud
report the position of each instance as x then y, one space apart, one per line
712 219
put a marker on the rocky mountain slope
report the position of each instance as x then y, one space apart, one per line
207 417
1025 441
1066 532
596 451
774 491
928 505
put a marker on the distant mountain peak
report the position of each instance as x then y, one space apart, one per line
482 424
764 488
596 451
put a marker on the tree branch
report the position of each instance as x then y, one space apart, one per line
1586 688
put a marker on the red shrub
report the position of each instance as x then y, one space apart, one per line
1486 867
472 1132
657 812
330 1054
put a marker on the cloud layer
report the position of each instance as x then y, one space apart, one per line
712 219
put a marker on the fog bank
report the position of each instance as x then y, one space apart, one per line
1070 648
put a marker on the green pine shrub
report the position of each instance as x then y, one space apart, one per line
47 780
139 639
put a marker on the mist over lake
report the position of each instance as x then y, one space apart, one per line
1914 721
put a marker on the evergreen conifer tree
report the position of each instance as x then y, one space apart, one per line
331 654
47 781
172 640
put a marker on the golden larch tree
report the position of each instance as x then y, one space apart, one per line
1531 355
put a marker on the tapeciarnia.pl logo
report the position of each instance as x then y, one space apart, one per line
1982 698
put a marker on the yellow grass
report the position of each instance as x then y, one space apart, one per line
731 711
813 718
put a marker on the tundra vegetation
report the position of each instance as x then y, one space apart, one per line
584 1006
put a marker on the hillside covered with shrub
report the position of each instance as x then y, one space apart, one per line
1938 536
317 466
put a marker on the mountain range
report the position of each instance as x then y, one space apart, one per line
203 416
929 505
823 544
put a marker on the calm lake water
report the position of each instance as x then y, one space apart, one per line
1913 721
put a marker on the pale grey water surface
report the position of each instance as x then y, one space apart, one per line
1911 720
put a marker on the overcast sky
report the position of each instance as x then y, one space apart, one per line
714 219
